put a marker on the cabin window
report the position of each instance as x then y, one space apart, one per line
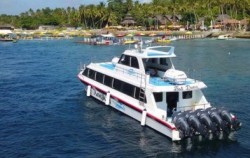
163 61
134 62
128 89
125 60
117 85
158 96
86 72
187 95
153 60
92 74
108 81
99 77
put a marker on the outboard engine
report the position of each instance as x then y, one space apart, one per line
181 124
223 120
215 118
226 118
236 124
204 119
212 119
194 123
230 121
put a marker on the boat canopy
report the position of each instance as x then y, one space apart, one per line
153 52
110 35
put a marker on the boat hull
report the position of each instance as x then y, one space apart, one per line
132 110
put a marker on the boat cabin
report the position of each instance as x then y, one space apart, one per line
151 61
170 87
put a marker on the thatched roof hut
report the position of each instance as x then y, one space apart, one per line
128 20
6 27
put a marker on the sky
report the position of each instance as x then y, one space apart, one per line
15 7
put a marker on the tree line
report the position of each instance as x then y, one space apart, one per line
113 11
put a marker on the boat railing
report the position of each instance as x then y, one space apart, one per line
131 73
82 66
193 107
156 81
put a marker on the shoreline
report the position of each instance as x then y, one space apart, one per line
29 34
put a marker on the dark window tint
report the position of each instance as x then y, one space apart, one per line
92 74
134 62
158 97
163 61
99 77
125 60
128 89
117 84
187 95
86 72
137 91
153 60
108 81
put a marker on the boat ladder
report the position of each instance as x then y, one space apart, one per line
142 95
142 99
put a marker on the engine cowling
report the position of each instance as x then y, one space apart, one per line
181 124
194 123
206 121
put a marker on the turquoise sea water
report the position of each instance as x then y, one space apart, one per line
44 111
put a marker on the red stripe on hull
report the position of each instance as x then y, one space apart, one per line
131 106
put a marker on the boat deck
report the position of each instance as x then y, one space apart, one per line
155 81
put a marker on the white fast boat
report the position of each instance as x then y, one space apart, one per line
144 84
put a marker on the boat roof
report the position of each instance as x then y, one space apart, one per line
107 35
152 52
156 83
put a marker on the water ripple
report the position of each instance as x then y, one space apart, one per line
45 111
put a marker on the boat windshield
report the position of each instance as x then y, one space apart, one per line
161 64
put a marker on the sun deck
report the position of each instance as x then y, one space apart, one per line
155 81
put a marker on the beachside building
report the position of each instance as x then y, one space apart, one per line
6 32
6 27
167 21
128 20
225 22
160 21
